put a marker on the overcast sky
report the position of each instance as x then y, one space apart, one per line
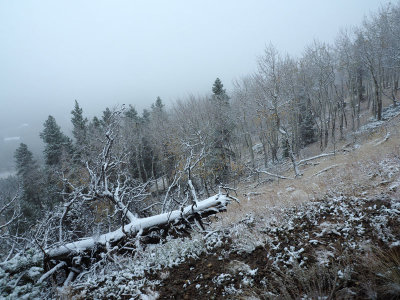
107 52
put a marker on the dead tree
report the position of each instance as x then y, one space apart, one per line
108 181
10 212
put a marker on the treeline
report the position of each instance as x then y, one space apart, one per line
126 163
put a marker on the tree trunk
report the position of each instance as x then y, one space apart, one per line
378 98
203 208
138 163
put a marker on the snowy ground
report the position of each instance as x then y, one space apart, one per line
315 249
323 238
388 113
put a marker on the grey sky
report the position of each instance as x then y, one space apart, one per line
107 52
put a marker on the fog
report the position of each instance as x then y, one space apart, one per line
104 53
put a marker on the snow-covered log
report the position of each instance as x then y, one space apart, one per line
315 157
203 208
326 169
272 174
383 140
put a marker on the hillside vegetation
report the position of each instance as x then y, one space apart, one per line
286 187
333 234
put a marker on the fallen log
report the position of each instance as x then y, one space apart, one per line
203 208
272 174
300 162
383 140
326 169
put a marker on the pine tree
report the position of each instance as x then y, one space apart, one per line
79 131
131 113
285 148
145 116
96 122
146 149
158 105
24 162
30 179
79 124
157 142
132 134
106 118
220 101
223 127
218 88
55 142
307 126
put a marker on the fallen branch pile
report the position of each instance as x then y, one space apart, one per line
76 256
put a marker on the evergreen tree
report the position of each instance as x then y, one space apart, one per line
79 124
307 125
223 127
131 113
218 88
105 119
157 106
145 116
146 149
55 142
285 148
157 139
30 179
132 138
94 128
222 110
96 122
24 162
79 131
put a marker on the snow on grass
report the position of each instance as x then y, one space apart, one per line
387 113
15 283
127 275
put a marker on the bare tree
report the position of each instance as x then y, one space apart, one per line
10 214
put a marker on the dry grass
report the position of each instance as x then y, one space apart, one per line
380 273
353 175
314 283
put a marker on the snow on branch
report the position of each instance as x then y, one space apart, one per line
315 157
384 139
213 204
271 174
16 211
326 169
50 272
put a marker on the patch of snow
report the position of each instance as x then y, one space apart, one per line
221 278
387 114
324 257
395 244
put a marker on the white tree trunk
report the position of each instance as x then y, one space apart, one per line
215 204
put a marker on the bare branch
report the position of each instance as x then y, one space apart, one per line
50 272
326 169
315 157
271 174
